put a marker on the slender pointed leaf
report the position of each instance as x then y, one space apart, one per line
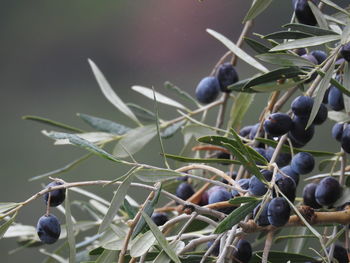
4 227
287 35
70 229
160 238
51 123
285 60
306 42
103 124
321 21
116 202
75 140
142 244
286 148
256 9
346 84
183 94
320 94
147 92
64 169
142 113
256 46
107 256
109 93
242 199
236 216
313 30
200 160
239 109
274 75
172 129
156 175
134 140
237 51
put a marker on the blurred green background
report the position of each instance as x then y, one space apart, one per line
44 71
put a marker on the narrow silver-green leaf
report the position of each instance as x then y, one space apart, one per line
176 246
239 109
256 9
273 86
4 227
52 123
337 7
256 46
70 229
236 216
156 175
75 140
180 92
4 207
63 169
172 129
306 42
109 93
134 140
237 51
321 21
338 116
107 256
147 92
116 202
142 244
142 113
285 60
313 30
103 124
287 35
200 160
324 84
160 238
345 37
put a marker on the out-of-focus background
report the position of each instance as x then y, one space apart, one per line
44 46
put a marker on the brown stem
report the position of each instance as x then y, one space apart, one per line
267 247
131 229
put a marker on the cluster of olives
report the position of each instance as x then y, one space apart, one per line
48 226
209 87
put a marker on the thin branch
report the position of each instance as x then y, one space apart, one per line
267 247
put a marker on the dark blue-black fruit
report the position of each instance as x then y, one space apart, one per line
244 132
335 99
345 139
223 155
321 115
253 131
291 173
327 191
159 218
207 90
48 229
220 195
300 51
345 52
310 58
282 159
243 252
184 191
303 163
319 55
262 152
243 183
226 75
216 250
277 124
309 196
278 212
298 132
302 106
287 186
231 174
256 187
57 196
337 131
262 220
303 12
340 254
